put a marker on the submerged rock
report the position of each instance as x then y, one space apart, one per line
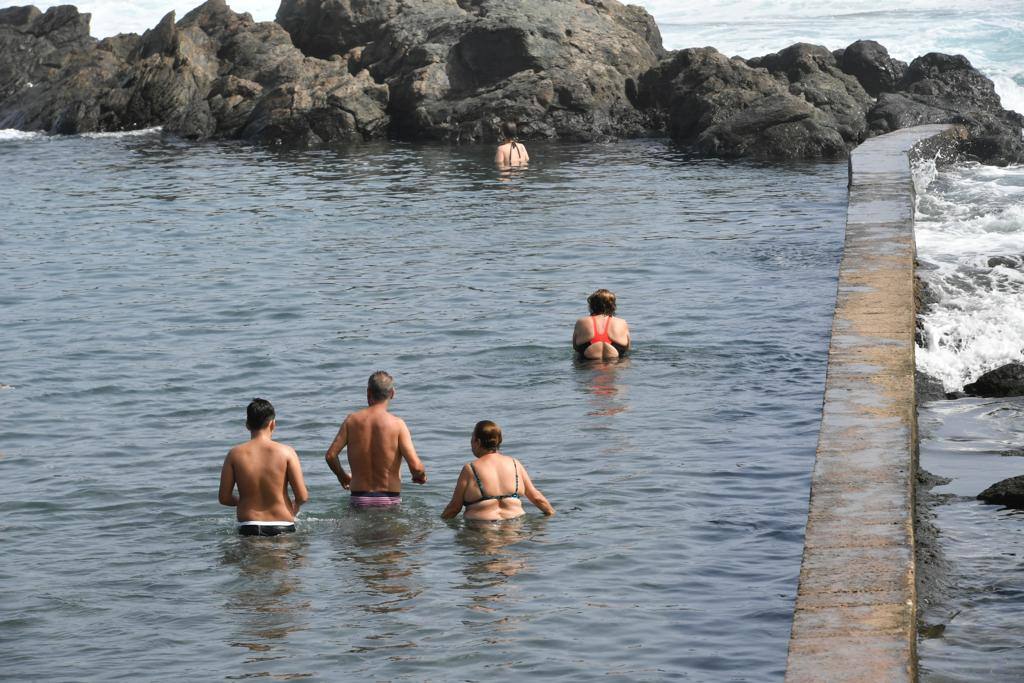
214 74
1008 492
455 70
1007 380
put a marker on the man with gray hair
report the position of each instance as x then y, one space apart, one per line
377 442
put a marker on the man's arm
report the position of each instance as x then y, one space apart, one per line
455 504
295 480
227 496
535 496
405 447
339 443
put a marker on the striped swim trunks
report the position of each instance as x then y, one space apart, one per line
374 499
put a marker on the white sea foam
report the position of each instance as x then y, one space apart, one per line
970 240
12 134
124 133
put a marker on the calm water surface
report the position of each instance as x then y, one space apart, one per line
149 289
976 632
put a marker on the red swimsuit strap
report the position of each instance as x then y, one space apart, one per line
603 335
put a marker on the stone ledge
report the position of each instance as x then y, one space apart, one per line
855 613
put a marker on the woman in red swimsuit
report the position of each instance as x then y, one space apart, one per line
601 335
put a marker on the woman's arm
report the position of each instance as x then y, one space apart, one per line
629 339
580 332
455 504
534 494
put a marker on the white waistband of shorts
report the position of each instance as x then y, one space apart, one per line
266 524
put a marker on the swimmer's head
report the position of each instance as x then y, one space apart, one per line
509 131
601 302
488 435
381 387
259 414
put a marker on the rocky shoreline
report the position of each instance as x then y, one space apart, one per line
333 71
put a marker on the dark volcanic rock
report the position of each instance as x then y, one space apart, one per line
869 62
1008 492
215 73
559 68
34 45
1007 380
321 28
813 75
341 70
938 88
724 107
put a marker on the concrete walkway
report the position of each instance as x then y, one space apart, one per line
855 616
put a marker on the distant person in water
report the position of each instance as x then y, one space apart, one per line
377 443
263 469
601 335
510 151
490 488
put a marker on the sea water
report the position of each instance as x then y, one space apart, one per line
149 276
150 288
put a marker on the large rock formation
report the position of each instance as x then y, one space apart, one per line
215 73
938 88
807 102
792 104
455 70
1006 380
343 70
34 46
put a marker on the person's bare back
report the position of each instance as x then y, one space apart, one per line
377 442
262 469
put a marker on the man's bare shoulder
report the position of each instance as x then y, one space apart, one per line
283 449
396 422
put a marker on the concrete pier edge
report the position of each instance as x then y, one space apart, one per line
855 614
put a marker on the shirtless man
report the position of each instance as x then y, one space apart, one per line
377 441
263 469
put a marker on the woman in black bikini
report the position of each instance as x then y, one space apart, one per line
601 336
510 151
489 488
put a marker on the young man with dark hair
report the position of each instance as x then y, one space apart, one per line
262 468
377 442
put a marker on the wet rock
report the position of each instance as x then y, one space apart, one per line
938 88
1013 262
1007 380
869 62
725 107
1008 492
928 388
455 70
214 74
